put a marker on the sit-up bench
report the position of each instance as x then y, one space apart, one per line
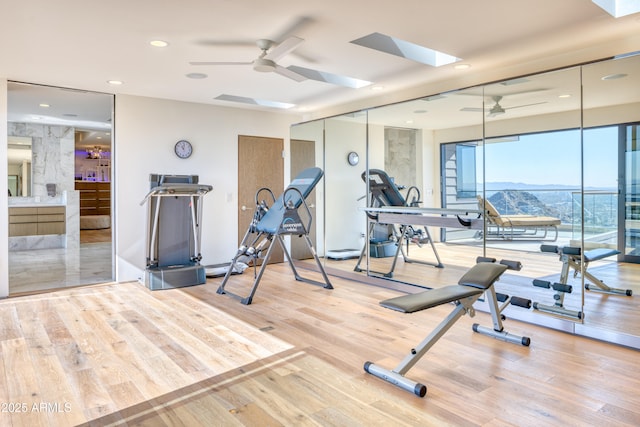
570 257
477 281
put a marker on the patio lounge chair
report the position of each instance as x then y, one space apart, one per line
517 227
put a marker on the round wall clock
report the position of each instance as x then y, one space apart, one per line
183 149
353 158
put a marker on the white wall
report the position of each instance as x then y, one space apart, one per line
345 223
146 130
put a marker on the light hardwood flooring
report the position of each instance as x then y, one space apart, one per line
604 311
119 354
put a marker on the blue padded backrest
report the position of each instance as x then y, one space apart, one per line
383 189
305 182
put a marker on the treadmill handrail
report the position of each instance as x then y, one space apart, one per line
177 190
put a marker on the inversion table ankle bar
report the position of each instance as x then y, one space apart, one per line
477 281
385 193
272 223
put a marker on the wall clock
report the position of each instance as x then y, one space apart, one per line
183 149
353 158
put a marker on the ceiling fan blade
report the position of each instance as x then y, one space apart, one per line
525 105
295 27
219 63
283 48
323 76
290 74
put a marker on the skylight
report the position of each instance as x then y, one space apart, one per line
405 49
619 8
244 100
323 76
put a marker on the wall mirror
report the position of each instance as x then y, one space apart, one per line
556 150
59 165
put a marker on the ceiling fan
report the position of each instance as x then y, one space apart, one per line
498 109
266 61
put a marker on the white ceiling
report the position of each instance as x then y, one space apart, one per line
84 44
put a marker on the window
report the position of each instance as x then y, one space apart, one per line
465 171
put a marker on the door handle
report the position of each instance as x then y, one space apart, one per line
243 208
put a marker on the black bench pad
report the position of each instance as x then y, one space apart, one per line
430 298
482 275
596 254
574 252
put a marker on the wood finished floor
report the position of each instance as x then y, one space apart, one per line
123 355
604 311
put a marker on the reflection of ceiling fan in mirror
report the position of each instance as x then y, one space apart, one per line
498 109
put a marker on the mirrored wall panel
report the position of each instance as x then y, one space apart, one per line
538 171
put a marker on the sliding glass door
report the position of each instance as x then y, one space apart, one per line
630 200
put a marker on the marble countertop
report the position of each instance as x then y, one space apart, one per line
34 204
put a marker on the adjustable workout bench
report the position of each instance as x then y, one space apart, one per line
385 193
477 281
570 258
274 222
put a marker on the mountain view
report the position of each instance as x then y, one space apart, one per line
600 205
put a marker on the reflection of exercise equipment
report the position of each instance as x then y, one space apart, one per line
173 234
384 192
477 281
274 222
571 259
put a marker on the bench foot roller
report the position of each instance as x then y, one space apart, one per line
416 388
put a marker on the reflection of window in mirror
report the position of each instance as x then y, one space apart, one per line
19 165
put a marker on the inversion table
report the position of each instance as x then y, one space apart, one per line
477 281
273 223
385 193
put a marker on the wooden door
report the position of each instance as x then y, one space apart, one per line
303 156
260 164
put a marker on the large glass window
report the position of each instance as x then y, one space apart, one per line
466 179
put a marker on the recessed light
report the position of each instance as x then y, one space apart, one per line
158 43
45 105
614 76
197 76
114 82
462 66
564 95
409 122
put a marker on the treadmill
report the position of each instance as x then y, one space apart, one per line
174 214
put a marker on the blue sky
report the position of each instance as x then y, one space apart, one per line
554 158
